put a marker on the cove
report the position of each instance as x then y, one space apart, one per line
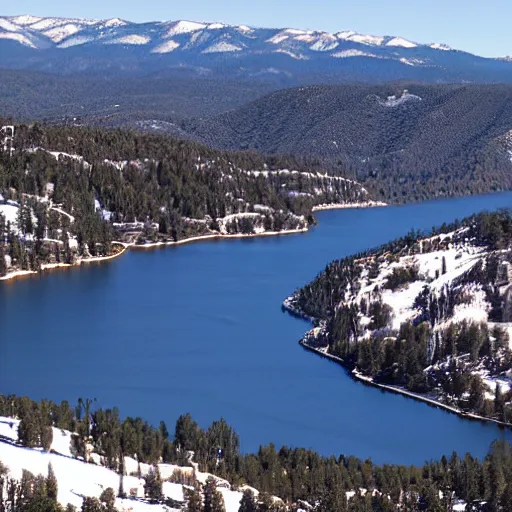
199 328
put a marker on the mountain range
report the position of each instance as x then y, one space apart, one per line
290 56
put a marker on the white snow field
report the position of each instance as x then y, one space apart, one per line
78 479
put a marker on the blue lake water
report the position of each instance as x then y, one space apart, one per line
199 329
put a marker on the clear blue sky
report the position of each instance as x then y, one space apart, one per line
481 27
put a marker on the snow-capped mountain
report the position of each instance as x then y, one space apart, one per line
165 37
116 44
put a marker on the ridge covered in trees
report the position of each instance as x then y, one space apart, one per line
407 141
427 313
296 475
76 190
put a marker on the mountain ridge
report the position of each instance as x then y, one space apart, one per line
296 56
59 29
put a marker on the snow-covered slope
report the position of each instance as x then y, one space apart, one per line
295 55
191 37
446 295
77 479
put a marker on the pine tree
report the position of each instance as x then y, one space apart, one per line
213 500
194 503
27 431
91 505
506 498
108 498
248 503
52 488
153 485
334 499
46 437
266 503
163 430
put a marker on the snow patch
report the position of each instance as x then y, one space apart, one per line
393 101
7 25
222 47
185 27
115 22
75 41
60 33
412 62
166 47
17 37
133 39
361 38
440 46
400 42
25 19
324 44
353 53
296 56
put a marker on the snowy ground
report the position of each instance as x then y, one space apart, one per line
78 479
458 261
10 212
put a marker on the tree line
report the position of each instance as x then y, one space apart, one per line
293 474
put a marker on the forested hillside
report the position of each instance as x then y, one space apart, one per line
108 101
428 313
409 141
68 192
302 479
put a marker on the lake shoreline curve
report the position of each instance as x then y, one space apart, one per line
214 236
368 381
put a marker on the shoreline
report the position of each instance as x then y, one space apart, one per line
354 374
214 236
52 266
348 206
218 236
359 377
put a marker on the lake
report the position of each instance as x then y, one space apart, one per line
199 328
